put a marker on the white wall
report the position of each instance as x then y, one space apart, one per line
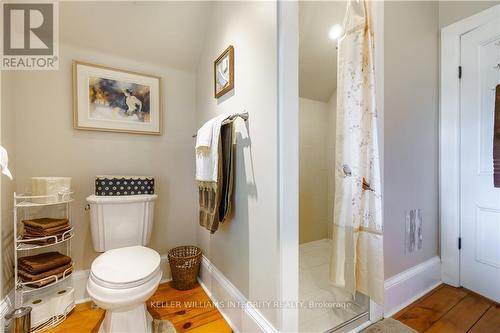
245 249
8 123
331 135
313 170
411 120
317 122
454 11
410 128
47 145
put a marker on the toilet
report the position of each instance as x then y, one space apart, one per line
127 273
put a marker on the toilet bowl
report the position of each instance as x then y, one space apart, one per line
121 280
127 273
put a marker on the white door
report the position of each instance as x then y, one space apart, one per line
480 201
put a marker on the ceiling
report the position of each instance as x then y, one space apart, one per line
317 52
170 32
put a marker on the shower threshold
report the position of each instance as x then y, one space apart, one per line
329 308
351 324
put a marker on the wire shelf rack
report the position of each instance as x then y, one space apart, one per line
54 321
26 206
54 278
30 244
28 200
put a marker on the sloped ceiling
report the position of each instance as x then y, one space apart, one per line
318 53
169 32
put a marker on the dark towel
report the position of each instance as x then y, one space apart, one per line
227 171
45 223
496 141
58 271
46 232
29 238
44 227
215 203
43 262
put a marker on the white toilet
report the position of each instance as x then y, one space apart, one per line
127 273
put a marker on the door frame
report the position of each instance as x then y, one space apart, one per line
449 141
288 161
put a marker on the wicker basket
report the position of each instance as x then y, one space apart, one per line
184 264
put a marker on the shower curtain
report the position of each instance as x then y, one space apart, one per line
357 254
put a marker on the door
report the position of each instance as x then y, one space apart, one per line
480 201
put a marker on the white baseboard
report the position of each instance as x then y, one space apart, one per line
400 291
79 280
79 283
406 287
239 313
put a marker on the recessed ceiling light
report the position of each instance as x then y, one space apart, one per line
335 32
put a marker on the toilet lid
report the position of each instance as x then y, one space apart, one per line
126 265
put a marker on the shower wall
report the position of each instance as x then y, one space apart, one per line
316 149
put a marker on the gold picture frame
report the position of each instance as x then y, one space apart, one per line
116 100
224 72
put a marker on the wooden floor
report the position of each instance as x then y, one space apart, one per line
189 311
444 310
452 310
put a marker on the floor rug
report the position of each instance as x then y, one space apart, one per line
388 325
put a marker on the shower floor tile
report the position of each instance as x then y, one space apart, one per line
324 306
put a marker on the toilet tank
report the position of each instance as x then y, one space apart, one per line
120 221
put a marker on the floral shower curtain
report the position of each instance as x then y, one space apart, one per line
357 255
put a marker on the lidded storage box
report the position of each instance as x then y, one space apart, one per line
55 189
124 185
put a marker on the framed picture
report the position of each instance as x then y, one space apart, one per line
109 99
224 72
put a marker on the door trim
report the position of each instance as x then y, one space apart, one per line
288 161
449 141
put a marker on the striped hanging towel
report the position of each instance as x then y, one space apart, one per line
496 141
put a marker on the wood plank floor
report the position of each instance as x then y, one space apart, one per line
190 311
448 309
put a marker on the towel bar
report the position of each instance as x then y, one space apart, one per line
231 118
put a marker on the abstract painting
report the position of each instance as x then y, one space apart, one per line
116 100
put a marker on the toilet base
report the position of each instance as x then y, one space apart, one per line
135 320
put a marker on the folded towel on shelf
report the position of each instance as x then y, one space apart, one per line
32 239
46 232
58 271
43 262
215 200
44 227
45 223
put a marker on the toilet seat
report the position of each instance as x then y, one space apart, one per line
125 267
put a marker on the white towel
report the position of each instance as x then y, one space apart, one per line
4 162
207 149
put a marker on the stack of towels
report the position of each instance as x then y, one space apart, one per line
44 227
40 266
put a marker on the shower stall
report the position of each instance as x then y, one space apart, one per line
329 306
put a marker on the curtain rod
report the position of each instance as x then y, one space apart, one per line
232 118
